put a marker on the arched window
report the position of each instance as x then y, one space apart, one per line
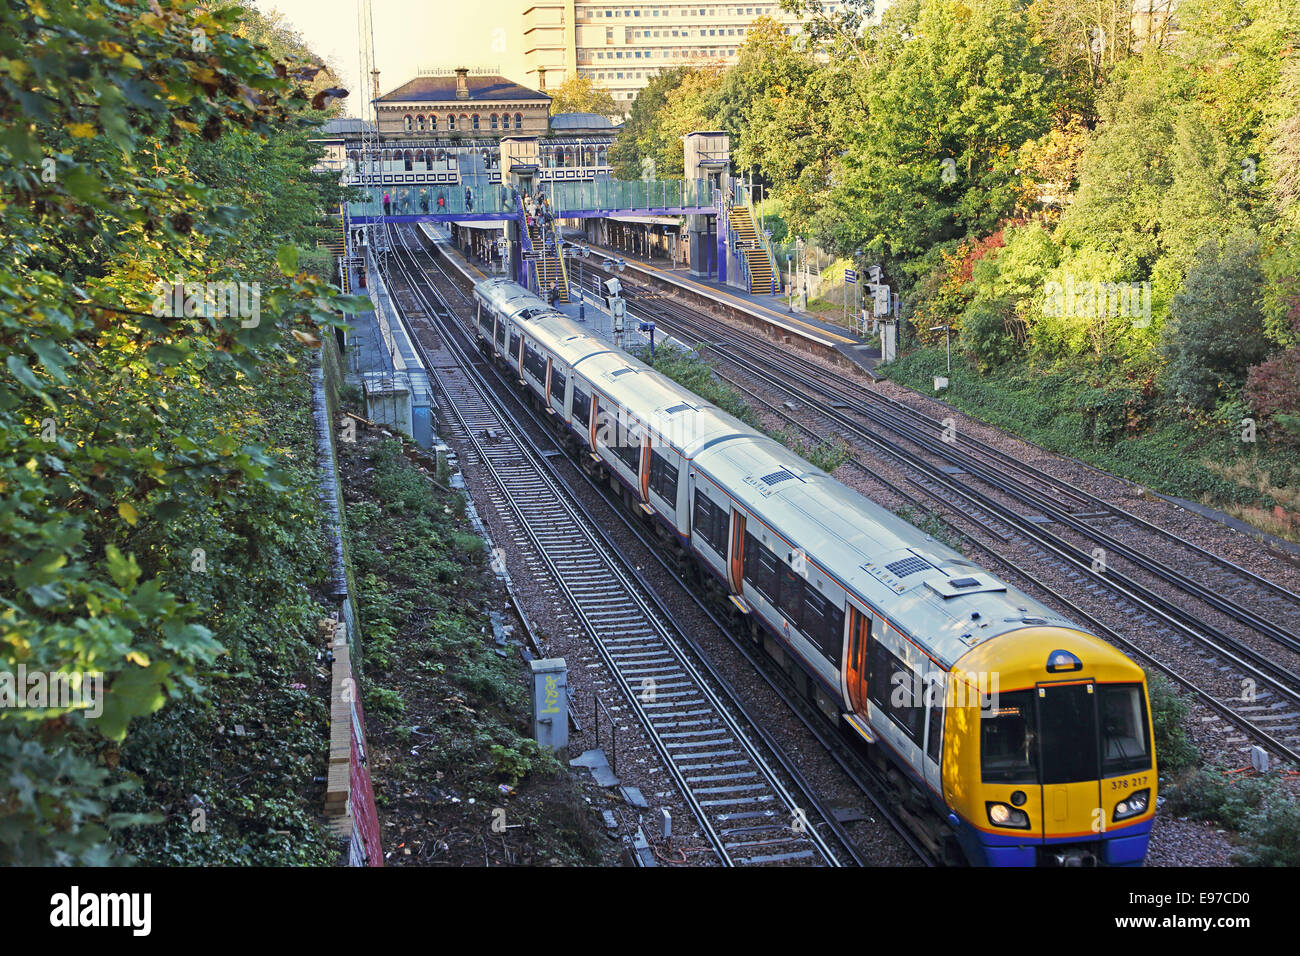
589 157
568 156
451 121
433 121
442 156
408 124
601 157
493 120
407 159
519 121
475 121
420 122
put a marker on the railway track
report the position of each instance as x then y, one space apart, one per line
1268 706
747 813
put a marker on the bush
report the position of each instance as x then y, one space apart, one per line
1220 797
986 333
1273 836
1175 751
1216 328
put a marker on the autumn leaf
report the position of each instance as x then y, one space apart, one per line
81 130
128 513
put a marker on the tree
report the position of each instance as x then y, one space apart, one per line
106 435
672 104
1216 329
774 103
578 94
951 96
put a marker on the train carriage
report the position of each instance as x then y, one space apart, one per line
1030 738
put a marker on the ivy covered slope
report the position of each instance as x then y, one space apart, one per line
156 515
457 778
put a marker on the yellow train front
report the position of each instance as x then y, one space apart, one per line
1053 764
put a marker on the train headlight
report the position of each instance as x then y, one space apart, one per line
1002 815
1133 805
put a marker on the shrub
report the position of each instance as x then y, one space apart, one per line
986 333
1213 794
1216 328
1175 751
1273 836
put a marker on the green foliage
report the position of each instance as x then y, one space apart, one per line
988 335
135 141
1272 838
516 762
1175 751
1216 795
946 108
578 94
1217 328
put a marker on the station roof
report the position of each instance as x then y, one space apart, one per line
442 89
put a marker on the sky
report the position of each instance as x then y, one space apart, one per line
410 34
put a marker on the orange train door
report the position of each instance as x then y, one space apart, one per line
644 462
737 550
855 667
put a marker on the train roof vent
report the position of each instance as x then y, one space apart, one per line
969 584
776 477
683 407
902 568
533 313
621 371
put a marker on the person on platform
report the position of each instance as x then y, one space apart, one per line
388 205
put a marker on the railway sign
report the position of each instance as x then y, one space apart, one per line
850 277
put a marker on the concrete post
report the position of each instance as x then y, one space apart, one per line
550 703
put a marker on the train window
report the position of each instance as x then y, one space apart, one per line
1067 734
822 622
710 523
557 384
581 407
934 731
663 477
892 687
762 569
514 345
1009 740
501 334
1125 742
628 449
534 363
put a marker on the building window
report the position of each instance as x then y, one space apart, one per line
408 124
519 121
475 121
451 121
492 120
433 121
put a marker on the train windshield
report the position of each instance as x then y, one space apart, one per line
1065 734
1008 740
1125 740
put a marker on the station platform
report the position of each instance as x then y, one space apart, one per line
769 310
589 313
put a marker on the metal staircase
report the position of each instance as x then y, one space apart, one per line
758 258
548 267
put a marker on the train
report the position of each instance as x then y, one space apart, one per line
1028 739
